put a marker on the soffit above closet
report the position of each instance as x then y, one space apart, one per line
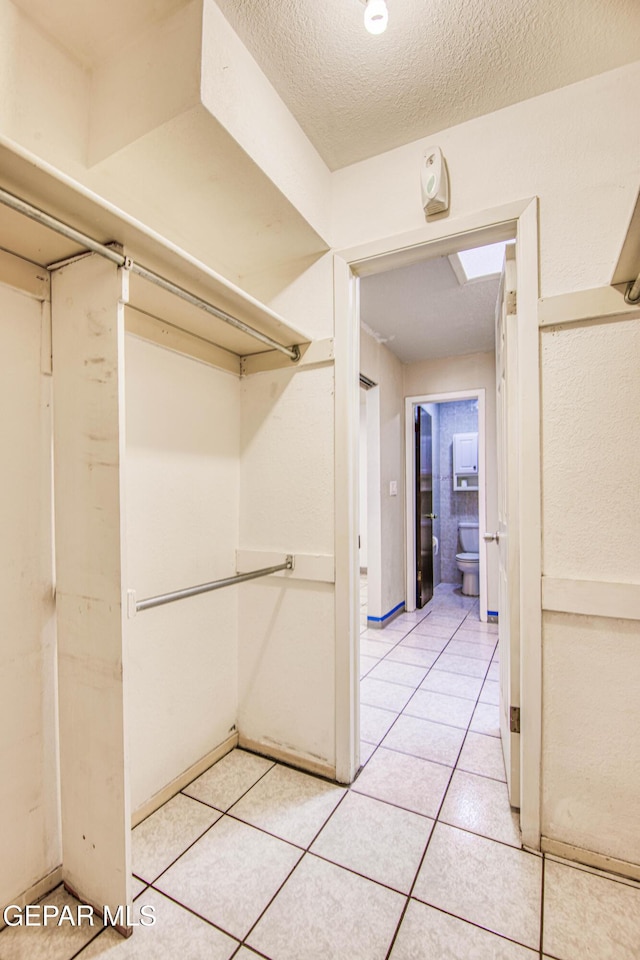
422 312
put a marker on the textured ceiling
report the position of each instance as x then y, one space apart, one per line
421 312
440 62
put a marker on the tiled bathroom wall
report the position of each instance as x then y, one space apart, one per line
460 416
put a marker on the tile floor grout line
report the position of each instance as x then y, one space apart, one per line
87 944
356 873
243 942
150 883
478 926
195 913
419 686
252 950
436 821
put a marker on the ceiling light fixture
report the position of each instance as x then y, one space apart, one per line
376 16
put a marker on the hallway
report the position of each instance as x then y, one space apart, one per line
420 859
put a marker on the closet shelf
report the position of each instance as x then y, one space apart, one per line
92 218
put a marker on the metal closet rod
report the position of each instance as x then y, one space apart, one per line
34 213
213 585
632 296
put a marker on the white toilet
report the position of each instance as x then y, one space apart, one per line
468 560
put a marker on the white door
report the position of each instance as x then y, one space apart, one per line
507 534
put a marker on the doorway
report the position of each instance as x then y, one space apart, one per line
434 517
518 220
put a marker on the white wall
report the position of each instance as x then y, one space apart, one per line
364 521
286 633
29 799
591 509
380 365
471 371
570 147
286 641
182 476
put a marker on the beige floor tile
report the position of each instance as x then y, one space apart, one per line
374 839
167 833
467 666
375 722
137 886
494 670
367 664
435 629
49 942
230 875
226 781
396 626
451 621
390 637
482 755
486 719
480 651
428 934
484 882
440 708
374 648
422 738
409 782
588 917
366 750
424 642
381 693
175 933
475 626
326 913
415 655
399 673
289 804
481 806
490 692
416 616
453 684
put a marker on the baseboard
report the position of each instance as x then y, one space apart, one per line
35 892
379 623
158 799
276 751
567 851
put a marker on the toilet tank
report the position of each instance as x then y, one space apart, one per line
469 537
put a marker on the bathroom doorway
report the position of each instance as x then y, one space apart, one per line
445 494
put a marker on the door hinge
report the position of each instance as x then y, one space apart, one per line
514 719
512 302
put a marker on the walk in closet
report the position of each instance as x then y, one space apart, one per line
152 446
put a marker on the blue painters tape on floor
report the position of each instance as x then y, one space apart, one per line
387 615
492 613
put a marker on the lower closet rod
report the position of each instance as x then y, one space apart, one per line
34 213
214 585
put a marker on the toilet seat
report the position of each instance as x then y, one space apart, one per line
468 557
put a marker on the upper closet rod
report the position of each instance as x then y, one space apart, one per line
213 585
21 206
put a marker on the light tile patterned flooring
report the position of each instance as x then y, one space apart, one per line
420 859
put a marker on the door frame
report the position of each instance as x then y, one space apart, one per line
410 500
517 219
